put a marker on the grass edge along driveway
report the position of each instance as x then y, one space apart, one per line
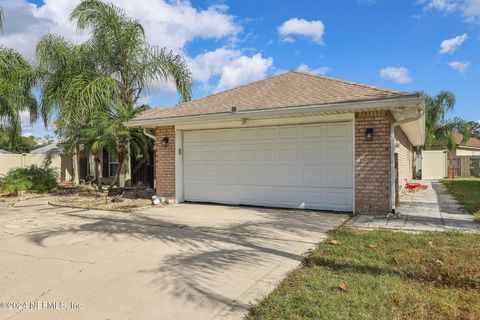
467 192
381 275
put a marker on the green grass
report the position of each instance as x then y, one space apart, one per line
467 192
384 275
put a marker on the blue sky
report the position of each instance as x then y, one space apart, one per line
405 45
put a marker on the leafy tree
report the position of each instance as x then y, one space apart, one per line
17 78
475 125
19 145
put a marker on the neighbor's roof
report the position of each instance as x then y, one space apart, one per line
4 151
471 143
49 148
290 89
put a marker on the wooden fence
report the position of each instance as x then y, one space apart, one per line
467 166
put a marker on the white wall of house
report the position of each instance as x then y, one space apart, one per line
467 152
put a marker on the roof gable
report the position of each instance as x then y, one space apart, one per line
290 89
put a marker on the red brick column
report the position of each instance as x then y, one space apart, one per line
372 163
165 162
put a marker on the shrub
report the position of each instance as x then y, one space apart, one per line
31 178
476 216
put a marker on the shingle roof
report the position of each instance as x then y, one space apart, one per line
290 89
472 142
48 149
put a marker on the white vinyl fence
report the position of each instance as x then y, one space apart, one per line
434 164
62 164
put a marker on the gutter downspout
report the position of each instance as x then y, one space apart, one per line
151 136
393 173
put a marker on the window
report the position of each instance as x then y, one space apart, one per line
113 163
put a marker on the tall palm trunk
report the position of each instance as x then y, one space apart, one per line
121 152
98 168
76 166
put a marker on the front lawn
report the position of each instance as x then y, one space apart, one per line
467 192
382 275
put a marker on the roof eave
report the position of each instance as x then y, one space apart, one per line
341 107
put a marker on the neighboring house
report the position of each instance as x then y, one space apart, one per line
295 140
469 148
4 152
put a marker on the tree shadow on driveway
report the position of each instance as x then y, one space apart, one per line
207 260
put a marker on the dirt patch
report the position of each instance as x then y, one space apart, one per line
116 200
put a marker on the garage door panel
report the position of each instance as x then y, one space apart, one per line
212 192
339 153
339 130
298 166
267 133
288 132
313 131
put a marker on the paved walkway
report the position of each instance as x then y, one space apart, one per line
433 209
184 261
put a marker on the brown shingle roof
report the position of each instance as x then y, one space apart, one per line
472 142
290 89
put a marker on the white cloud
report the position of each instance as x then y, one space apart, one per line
451 45
442 5
306 68
167 24
230 66
300 27
460 66
170 24
470 9
400 75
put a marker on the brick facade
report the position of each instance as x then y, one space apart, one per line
165 162
372 162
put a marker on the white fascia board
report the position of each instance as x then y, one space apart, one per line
346 107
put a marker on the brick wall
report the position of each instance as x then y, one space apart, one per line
165 162
372 162
405 158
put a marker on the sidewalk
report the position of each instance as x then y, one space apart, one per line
433 209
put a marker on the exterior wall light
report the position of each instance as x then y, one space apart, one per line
369 134
165 141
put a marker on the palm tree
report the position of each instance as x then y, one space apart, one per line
438 129
105 131
17 78
126 66
61 68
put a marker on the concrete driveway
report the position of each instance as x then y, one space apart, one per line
186 261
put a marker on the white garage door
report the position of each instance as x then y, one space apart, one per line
301 166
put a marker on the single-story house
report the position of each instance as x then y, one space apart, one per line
4 152
469 148
294 140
